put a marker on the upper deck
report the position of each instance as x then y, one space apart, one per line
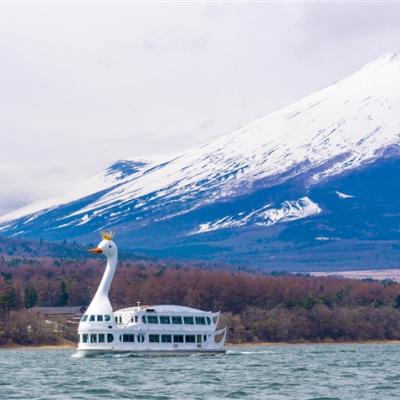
171 309
166 317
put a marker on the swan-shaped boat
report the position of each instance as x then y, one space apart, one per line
159 329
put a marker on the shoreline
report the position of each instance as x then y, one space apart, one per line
260 344
73 346
60 346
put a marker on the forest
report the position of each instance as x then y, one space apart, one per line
255 307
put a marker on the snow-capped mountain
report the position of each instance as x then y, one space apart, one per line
253 190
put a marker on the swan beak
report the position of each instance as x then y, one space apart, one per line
96 250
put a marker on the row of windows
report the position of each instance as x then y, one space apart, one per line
152 319
96 338
130 337
176 338
98 318
177 320
140 338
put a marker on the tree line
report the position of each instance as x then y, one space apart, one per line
255 307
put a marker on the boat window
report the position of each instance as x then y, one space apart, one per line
178 338
116 320
93 338
152 319
198 338
84 318
190 338
208 320
101 337
177 320
84 338
166 338
91 318
140 338
136 318
200 320
154 338
120 319
99 318
107 318
188 320
144 319
128 337
110 337
204 338
164 319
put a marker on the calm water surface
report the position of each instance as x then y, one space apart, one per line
362 371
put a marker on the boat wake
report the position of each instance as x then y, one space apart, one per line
84 354
246 352
78 354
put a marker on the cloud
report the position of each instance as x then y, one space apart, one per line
83 84
39 182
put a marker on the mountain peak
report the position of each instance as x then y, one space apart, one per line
387 57
383 60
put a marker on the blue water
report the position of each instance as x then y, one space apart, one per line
361 371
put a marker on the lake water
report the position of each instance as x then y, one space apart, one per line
361 371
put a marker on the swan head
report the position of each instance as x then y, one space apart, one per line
106 247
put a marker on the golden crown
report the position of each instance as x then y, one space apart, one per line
107 235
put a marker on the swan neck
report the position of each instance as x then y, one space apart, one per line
107 278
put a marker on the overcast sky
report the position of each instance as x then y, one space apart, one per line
84 84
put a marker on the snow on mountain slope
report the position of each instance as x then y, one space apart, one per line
355 119
265 216
343 195
114 175
351 123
